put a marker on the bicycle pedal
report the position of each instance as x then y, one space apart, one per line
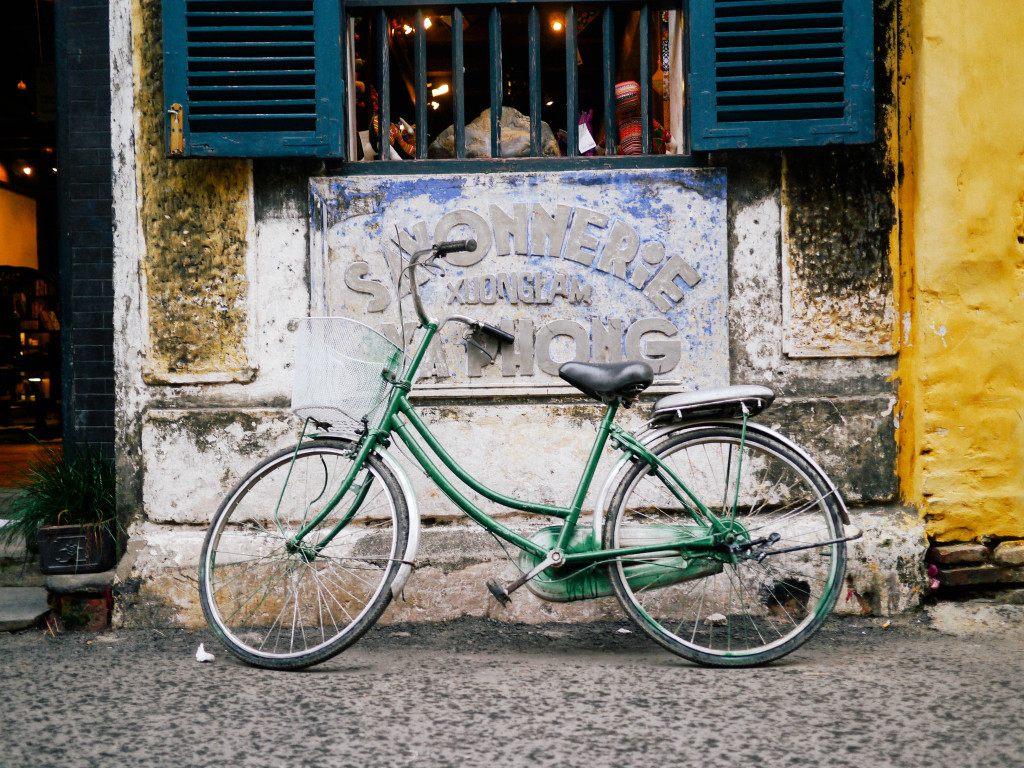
500 593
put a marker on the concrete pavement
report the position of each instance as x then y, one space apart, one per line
927 690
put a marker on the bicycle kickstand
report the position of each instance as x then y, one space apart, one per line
504 594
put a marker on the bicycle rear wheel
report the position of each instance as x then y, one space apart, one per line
277 606
766 597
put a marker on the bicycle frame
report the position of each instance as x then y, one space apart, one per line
399 411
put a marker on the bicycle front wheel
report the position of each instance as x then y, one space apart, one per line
281 606
760 595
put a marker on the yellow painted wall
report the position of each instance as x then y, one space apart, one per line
17 231
962 254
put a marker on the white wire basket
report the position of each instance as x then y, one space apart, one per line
338 372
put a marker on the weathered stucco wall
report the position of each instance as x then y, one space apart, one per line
962 371
204 354
196 220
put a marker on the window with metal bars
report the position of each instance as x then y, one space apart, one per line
512 84
548 81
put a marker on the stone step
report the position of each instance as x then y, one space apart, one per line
22 607
18 567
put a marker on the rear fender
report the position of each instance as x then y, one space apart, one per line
654 433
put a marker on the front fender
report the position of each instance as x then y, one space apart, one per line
413 544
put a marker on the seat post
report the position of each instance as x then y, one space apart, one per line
588 474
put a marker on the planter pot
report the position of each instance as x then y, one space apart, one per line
76 549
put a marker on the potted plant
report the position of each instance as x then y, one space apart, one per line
66 505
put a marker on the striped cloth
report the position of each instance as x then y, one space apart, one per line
627 114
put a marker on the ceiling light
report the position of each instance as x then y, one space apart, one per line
21 85
27 170
548 103
441 90
427 22
434 105
407 29
556 24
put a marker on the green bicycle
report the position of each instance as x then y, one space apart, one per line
720 538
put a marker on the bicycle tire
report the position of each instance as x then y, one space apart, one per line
745 612
282 609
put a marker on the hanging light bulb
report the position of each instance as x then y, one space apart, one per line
427 22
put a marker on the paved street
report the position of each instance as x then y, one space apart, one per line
479 693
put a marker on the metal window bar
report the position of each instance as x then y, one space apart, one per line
421 86
535 92
496 81
611 126
572 120
458 84
645 79
383 84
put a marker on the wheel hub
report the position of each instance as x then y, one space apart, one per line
303 550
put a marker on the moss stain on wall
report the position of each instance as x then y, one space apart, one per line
195 218
840 225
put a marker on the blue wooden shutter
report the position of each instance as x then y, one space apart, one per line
780 73
253 78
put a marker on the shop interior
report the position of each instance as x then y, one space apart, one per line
30 389
664 49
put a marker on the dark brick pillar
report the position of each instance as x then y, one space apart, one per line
85 250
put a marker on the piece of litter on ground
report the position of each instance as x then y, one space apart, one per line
886 625
624 631
401 634
716 620
203 655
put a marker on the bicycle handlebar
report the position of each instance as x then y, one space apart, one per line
437 251
454 246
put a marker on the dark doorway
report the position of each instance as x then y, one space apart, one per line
30 324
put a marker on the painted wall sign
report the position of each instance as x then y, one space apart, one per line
592 266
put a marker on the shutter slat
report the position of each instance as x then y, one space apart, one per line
736 51
775 93
215 89
725 8
249 45
248 104
781 33
781 66
789 19
307 61
226 76
303 30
